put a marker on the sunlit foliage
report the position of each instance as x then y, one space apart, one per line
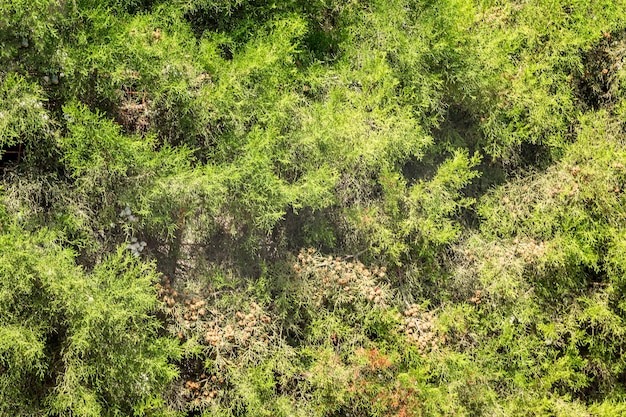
312 208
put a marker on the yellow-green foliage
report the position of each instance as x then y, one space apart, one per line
455 169
23 117
76 342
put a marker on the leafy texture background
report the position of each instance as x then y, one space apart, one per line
312 208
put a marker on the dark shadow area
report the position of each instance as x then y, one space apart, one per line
308 228
11 156
240 18
535 156
598 82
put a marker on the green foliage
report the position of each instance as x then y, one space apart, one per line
456 169
522 62
416 221
30 27
23 118
76 342
539 273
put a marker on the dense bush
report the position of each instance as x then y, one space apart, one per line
454 171
77 342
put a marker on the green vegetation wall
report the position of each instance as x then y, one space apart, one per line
312 208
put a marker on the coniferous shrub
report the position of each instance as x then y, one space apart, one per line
77 342
455 170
